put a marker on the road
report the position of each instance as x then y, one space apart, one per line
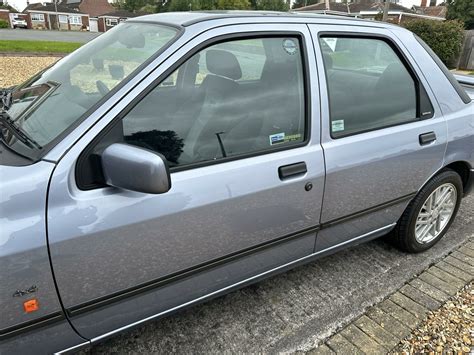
295 310
36 35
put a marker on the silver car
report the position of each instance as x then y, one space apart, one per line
180 156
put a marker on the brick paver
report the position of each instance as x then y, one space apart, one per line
399 313
463 257
376 332
411 306
438 283
321 350
446 277
362 340
341 345
460 264
453 270
467 251
430 290
420 297
383 326
387 322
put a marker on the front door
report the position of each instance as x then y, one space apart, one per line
383 134
233 121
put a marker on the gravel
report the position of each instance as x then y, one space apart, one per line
447 330
16 70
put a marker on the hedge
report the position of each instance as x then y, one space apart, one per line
4 24
444 37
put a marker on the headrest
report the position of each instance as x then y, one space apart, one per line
223 63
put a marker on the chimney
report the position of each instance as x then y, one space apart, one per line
424 3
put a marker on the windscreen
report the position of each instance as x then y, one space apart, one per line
49 103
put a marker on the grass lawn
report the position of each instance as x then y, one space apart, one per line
38 46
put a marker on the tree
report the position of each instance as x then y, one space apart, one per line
462 10
149 8
233 4
271 5
444 37
184 5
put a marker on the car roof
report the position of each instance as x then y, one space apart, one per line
185 19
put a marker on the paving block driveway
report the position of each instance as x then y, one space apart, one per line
295 310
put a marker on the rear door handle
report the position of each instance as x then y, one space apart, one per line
286 171
427 138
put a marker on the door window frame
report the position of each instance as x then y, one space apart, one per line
421 93
83 161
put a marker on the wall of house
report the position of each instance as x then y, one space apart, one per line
101 24
40 25
5 15
85 22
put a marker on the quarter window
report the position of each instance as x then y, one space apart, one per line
369 86
231 99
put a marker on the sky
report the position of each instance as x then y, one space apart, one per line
21 4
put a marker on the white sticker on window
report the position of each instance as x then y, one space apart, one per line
277 138
337 125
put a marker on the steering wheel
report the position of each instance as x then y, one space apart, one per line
103 89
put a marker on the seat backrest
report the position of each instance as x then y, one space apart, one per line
219 111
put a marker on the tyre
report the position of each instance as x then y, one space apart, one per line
430 214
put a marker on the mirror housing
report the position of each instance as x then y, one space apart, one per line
136 169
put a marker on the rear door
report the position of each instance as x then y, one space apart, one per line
247 171
383 134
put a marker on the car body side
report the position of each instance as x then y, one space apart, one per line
29 258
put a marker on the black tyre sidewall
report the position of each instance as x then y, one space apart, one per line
447 176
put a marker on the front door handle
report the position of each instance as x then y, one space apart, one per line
427 138
292 170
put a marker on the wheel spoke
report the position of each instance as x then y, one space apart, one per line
435 213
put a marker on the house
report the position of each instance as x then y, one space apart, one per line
48 16
111 19
436 11
73 15
366 9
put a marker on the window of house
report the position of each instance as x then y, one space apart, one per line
37 17
63 18
110 22
369 86
231 99
75 20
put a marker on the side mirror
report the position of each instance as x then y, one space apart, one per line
136 169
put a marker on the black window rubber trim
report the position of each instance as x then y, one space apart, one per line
459 89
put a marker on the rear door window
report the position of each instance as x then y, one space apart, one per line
369 85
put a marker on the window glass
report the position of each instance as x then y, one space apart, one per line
63 18
369 86
233 98
37 17
82 79
75 20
